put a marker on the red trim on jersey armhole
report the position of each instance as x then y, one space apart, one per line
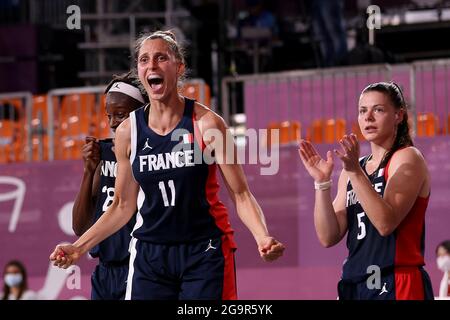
409 234
217 209
197 133
229 291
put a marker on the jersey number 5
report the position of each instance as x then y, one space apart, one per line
162 187
361 226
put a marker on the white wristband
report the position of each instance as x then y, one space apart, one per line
323 185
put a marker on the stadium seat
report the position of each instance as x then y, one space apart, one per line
12 141
102 130
427 125
12 131
328 131
76 120
290 132
198 90
334 130
315 131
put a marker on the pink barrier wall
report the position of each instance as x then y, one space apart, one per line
306 271
306 99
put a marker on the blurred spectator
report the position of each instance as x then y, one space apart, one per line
257 34
329 30
15 285
443 264
259 16
364 53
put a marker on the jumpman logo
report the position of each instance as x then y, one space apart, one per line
210 246
117 86
146 145
383 290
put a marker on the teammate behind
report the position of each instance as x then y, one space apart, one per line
96 193
182 246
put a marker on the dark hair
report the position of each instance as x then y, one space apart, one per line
131 78
444 244
172 42
23 286
395 94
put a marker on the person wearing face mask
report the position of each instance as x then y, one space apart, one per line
443 264
15 282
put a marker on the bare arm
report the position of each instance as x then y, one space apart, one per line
247 207
330 217
408 176
117 215
83 208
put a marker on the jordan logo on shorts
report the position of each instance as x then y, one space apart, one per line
146 145
383 290
210 246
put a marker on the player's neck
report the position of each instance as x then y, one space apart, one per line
164 116
378 153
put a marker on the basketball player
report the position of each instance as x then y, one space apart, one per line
381 202
182 245
97 192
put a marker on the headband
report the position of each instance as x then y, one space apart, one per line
127 89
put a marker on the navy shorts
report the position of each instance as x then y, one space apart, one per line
203 270
401 283
109 281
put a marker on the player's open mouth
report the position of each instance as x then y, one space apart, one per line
155 82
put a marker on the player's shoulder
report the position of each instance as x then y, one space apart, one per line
207 117
124 128
408 154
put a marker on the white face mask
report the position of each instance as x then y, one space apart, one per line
443 263
13 279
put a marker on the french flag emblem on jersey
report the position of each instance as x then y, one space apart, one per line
188 138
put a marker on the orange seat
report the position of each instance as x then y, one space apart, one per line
103 130
39 148
315 132
290 131
71 149
76 114
427 125
448 124
197 90
334 130
328 131
76 120
39 114
11 141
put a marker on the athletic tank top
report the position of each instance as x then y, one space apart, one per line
178 196
115 247
402 248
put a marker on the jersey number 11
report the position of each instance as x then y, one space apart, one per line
162 187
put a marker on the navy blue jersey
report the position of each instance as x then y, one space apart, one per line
115 247
402 248
178 197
